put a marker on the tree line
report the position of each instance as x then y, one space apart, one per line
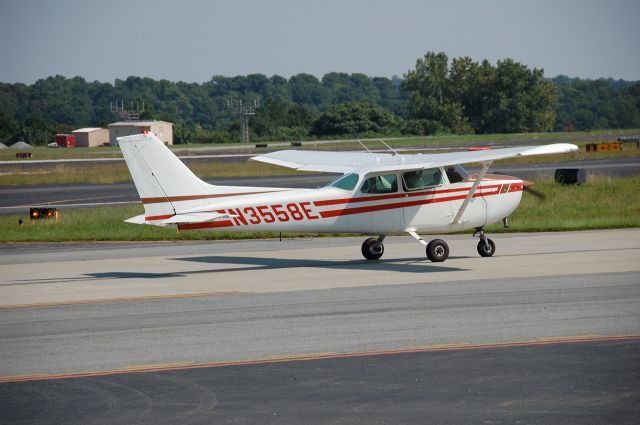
438 96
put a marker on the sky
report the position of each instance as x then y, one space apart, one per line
193 40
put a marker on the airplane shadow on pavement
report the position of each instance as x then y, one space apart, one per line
241 264
401 265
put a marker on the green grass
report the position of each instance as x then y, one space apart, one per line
602 203
101 224
44 153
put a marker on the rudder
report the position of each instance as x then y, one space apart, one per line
159 176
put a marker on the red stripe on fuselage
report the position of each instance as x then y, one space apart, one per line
383 207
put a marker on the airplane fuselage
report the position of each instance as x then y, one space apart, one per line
330 209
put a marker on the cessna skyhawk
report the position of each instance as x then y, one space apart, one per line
377 193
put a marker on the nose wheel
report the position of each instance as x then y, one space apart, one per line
486 247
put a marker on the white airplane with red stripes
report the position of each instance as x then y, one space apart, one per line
377 194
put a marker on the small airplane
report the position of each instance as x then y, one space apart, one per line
377 193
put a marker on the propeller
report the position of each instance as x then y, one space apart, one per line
528 186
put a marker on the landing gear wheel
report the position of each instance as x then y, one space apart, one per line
372 249
486 249
437 250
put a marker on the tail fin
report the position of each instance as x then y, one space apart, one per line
159 176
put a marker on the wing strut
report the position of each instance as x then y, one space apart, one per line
474 188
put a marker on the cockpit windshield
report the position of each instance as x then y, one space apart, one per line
347 182
456 173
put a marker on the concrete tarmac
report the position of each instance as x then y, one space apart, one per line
52 274
546 331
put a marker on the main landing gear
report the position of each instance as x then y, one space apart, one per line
372 248
437 249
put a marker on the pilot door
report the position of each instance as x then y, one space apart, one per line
425 200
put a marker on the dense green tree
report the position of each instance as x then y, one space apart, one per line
306 90
427 85
392 96
472 97
354 118
279 121
591 104
521 100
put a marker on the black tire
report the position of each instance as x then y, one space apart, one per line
437 250
370 251
486 251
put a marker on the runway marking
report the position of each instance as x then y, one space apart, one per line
167 367
86 199
124 299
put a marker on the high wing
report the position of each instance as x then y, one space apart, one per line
345 162
324 161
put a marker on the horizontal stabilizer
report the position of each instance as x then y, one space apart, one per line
199 217
139 219
192 217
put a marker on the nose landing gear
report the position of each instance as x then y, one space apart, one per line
486 247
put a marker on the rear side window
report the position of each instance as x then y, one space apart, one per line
419 179
380 184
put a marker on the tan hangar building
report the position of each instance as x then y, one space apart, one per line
162 129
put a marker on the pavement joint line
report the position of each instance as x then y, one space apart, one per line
123 299
168 367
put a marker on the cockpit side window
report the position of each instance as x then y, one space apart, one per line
380 184
419 179
347 182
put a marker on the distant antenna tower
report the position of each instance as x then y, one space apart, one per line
127 114
243 110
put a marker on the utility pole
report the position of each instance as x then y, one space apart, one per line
243 109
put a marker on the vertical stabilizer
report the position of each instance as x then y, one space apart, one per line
159 176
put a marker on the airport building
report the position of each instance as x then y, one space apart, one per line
91 137
162 129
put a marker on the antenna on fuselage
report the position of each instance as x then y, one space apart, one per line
389 147
363 145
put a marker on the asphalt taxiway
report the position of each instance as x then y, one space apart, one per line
305 331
